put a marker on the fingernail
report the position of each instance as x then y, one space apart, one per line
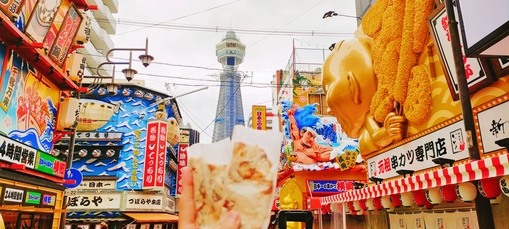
233 216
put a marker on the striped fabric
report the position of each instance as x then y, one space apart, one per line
475 170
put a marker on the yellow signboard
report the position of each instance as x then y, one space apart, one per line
259 116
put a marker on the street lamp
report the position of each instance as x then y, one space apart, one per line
129 72
334 14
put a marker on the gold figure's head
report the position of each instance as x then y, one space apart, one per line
173 131
288 203
350 82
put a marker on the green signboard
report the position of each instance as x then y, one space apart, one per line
33 197
48 164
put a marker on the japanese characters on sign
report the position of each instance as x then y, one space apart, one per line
182 157
10 7
151 153
447 142
170 204
49 199
131 226
17 153
144 201
259 116
33 197
493 123
329 186
134 166
94 201
161 155
96 136
13 195
50 165
68 30
475 71
97 185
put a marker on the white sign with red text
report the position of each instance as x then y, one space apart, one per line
447 142
155 155
161 155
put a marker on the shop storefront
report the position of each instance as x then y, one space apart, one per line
422 174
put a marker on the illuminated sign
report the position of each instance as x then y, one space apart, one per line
259 116
17 153
50 165
33 197
48 199
13 195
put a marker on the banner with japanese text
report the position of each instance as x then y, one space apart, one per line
182 159
259 116
155 155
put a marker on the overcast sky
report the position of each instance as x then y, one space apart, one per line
183 34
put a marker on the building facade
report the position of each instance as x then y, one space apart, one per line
36 38
126 149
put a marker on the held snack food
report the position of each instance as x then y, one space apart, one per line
236 175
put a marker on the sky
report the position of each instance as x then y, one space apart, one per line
183 34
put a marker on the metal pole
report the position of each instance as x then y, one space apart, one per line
482 205
68 165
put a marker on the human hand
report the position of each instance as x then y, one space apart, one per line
396 126
187 208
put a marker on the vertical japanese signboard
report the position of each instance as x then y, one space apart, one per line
155 155
151 155
259 115
161 155
182 156
63 42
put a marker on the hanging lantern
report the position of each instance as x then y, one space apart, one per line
433 196
391 209
448 193
489 188
83 33
351 207
386 202
378 203
428 205
396 200
504 185
363 205
420 197
370 204
407 199
75 66
496 200
357 205
466 191
68 113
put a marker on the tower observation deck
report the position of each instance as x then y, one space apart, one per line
229 112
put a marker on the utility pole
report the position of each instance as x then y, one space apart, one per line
482 205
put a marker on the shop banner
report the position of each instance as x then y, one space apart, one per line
259 116
182 156
48 199
161 155
17 153
33 197
13 195
329 186
447 142
10 7
136 202
48 164
99 201
68 30
151 155
99 185
492 124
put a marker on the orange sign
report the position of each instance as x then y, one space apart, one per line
259 116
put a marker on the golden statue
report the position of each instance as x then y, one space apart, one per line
350 83
290 198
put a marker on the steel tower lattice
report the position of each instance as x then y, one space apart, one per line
229 112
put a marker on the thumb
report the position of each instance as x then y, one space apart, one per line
232 221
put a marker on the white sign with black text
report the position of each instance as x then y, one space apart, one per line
96 201
13 195
447 142
492 124
144 201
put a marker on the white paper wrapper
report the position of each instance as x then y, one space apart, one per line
210 163
236 175
252 176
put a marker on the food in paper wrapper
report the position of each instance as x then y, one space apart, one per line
246 184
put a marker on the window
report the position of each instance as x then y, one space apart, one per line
321 108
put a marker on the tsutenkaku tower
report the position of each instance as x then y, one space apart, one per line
229 112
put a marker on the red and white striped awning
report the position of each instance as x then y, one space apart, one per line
475 170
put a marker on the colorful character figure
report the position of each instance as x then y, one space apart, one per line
305 148
350 84
173 136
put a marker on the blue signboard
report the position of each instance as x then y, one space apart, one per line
73 174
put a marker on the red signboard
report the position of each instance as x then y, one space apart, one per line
161 155
151 152
68 30
182 155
